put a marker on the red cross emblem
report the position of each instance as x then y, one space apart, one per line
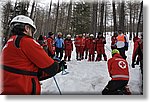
122 64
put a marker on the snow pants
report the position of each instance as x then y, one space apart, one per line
91 54
86 52
100 52
79 52
115 87
67 54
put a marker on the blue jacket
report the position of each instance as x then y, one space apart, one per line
59 43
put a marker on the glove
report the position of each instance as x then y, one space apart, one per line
56 59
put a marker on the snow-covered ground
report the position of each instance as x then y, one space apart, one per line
90 77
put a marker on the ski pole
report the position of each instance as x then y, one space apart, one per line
57 85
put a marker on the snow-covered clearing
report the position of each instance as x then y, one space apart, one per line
90 77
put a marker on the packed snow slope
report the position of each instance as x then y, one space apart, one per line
90 77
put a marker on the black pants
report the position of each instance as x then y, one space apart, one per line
122 52
59 51
114 87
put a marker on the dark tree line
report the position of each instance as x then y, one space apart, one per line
78 17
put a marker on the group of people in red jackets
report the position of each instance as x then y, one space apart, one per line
88 44
25 62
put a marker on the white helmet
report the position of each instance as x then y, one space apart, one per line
59 33
68 36
23 19
91 35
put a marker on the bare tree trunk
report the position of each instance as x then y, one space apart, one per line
94 18
32 10
114 16
133 23
105 16
14 14
122 17
55 26
102 15
68 17
139 18
49 13
130 29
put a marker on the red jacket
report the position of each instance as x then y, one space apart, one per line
79 41
87 42
28 57
92 43
50 44
100 42
113 40
68 44
137 44
118 68
135 39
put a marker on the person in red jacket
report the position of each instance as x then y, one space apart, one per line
136 41
83 44
100 42
119 73
50 44
76 43
24 60
42 42
91 48
114 41
139 52
87 42
79 43
68 45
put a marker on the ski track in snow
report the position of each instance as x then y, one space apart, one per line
90 77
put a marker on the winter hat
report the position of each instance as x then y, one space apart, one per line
50 33
68 36
100 33
91 35
115 51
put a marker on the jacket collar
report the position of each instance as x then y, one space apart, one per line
117 55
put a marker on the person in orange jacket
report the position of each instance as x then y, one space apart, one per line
92 43
51 44
68 45
100 43
122 43
24 61
119 73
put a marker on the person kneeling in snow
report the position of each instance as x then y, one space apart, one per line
118 71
